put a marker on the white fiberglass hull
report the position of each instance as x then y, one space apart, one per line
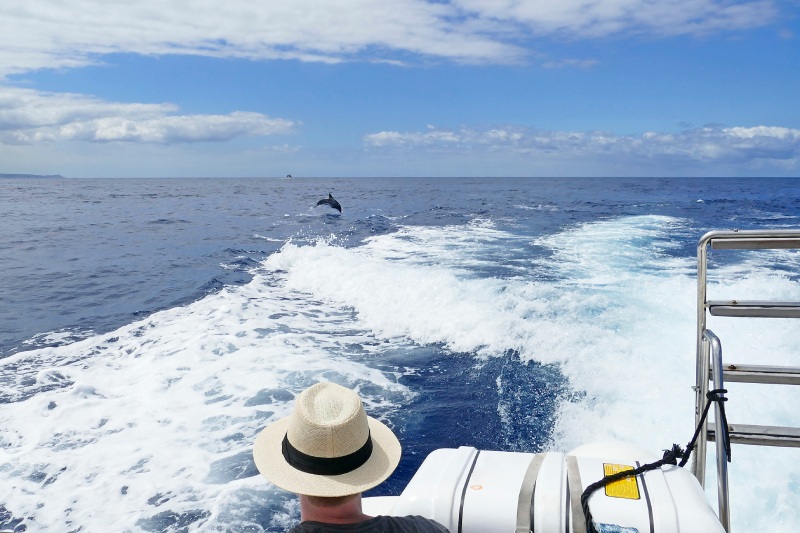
472 491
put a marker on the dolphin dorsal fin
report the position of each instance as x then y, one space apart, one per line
330 196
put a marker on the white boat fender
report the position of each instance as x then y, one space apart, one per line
473 491
670 457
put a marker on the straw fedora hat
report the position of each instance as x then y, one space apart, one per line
327 446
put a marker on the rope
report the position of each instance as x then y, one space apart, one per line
670 457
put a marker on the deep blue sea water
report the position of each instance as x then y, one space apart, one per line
149 328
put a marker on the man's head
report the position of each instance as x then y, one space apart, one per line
327 446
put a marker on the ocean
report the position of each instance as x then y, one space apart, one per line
150 328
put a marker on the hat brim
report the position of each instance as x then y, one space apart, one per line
272 465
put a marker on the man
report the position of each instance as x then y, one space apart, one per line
329 451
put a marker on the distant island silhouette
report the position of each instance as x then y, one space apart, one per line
23 176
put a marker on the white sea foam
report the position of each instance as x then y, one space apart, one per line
168 407
57 337
639 364
265 238
160 416
539 207
620 323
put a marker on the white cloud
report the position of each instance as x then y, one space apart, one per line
28 116
68 33
25 108
715 145
597 18
571 63
71 33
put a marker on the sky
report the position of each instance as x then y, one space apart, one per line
266 88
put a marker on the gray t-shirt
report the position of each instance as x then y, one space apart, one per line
379 524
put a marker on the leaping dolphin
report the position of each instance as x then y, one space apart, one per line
331 201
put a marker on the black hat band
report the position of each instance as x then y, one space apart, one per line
326 466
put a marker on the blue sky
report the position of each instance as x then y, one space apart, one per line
400 88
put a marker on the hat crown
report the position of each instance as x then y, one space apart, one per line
328 421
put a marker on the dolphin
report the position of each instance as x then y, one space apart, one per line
331 201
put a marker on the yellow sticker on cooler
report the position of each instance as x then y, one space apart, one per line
626 488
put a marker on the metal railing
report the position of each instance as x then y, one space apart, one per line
710 366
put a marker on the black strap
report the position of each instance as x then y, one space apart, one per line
713 396
671 456
326 466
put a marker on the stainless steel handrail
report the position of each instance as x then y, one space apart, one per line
711 358
722 457
709 364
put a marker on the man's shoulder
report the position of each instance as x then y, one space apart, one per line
379 524
415 524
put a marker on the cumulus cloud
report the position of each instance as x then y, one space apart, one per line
28 116
71 33
446 139
598 18
702 145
